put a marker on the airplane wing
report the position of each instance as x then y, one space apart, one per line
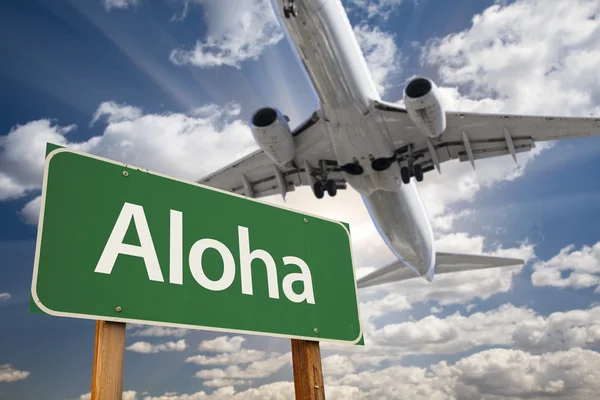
475 136
255 175
445 263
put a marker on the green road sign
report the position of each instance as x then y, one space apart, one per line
120 243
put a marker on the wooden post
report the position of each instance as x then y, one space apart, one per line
308 371
109 351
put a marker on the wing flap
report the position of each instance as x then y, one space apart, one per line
488 135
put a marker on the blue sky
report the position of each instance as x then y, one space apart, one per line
100 76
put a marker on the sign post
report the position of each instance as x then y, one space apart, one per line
109 352
120 244
308 370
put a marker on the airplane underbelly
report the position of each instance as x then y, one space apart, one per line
402 223
326 45
323 37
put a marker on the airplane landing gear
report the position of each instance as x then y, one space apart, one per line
418 172
290 11
321 181
319 188
406 173
412 169
331 188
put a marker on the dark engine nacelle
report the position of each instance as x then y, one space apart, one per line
421 99
272 133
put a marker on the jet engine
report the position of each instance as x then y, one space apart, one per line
422 101
273 134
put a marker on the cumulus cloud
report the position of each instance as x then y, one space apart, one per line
519 52
222 344
175 144
114 112
31 212
381 53
492 374
271 391
225 382
505 326
9 374
148 348
374 8
5 296
160 331
123 4
238 30
254 370
242 356
337 365
570 268
127 395
463 287
22 156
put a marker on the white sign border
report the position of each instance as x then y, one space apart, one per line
45 309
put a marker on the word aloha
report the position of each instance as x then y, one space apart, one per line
146 250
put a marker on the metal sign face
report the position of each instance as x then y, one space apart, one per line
124 244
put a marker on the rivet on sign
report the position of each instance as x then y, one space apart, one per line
125 173
305 220
316 330
118 309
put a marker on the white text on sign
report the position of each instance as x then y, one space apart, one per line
146 250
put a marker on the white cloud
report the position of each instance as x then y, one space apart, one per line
255 370
148 348
518 53
22 156
391 302
222 344
238 30
507 326
490 374
582 268
270 391
381 53
9 374
462 287
242 356
435 310
5 296
127 395
226 382
375 8
123 4
160 331
175 144
512 56
115 112
31 212
337 365
458 182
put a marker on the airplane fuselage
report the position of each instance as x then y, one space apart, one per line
325 42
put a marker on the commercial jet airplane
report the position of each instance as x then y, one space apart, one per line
378 148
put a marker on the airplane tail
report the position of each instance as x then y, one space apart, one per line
445 263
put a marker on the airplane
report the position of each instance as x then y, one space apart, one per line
378 148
